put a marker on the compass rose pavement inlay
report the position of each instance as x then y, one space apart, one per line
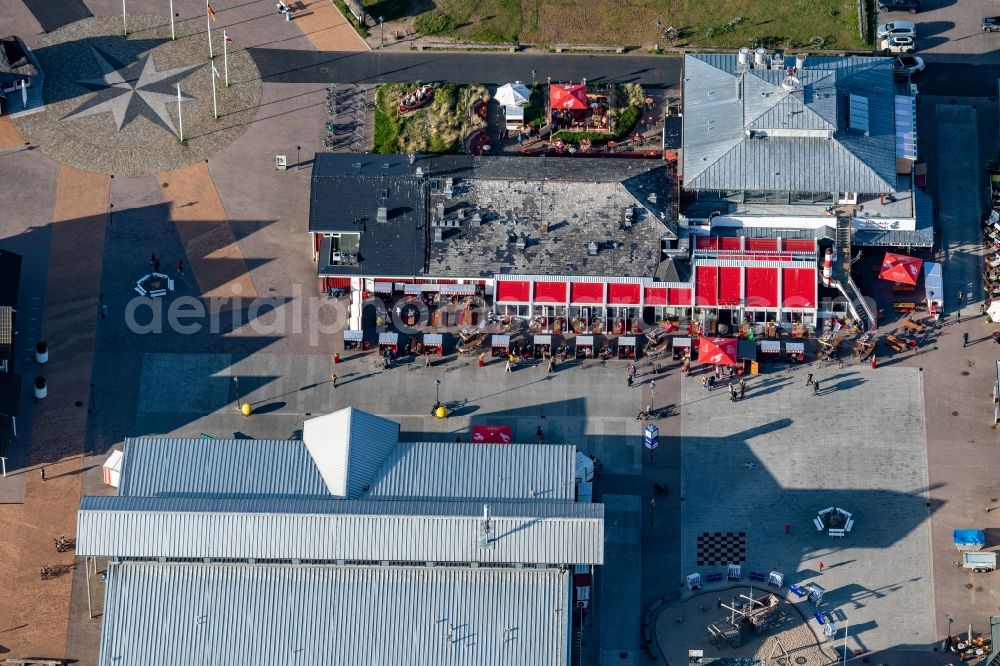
131 90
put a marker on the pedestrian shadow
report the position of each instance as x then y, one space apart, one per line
756 390
840 386
354 379
837 376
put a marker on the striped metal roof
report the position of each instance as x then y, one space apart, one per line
219 468
722 105
348 447
329 530
460 470
233 615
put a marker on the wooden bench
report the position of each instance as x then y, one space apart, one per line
819 618
714 577
849 525
905 307
913 326
896 344
836 533
819 524
796 590
759 577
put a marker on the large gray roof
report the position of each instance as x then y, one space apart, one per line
234 615
330 530
745 131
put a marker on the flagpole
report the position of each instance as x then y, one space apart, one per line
172 35
180 118
215 105
225 55
208 22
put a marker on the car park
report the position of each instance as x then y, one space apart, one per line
889 45
911 6
990 23
897 29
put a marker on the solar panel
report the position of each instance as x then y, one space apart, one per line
858 114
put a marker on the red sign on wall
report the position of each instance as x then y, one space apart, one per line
489 434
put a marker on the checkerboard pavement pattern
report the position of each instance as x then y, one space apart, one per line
721 548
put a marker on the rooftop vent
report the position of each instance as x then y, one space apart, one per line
476 220
440 210
522 242
382 215
592 249
383 194
651 198
777 60
800 61
743 58
760 57
438 235
420 172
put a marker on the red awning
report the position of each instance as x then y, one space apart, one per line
901 268
717 351
624 293
550 292
513 291
588 293
568 96
655 295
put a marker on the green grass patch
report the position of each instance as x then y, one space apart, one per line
790 24
441 127
342 7
434 23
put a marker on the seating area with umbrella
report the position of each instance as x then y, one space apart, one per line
513 97
718 351
572 108
903 271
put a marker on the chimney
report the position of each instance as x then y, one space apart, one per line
522 242
800 61
437 235
760 58
592 249
382 215
476 220
440 211
545 227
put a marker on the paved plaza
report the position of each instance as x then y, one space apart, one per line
784 453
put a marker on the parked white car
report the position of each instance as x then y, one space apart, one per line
896 29
891 45
908 65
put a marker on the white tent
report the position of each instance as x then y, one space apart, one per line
512 94
993 312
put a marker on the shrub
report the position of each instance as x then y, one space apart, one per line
434 23
626 120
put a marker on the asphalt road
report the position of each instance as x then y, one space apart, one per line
293 66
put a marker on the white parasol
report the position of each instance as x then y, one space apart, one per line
512 94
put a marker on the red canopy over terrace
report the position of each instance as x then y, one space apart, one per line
901 268
717 351
563 96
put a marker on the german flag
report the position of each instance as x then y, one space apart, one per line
211 12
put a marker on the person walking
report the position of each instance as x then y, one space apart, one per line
982 308
427 360
743 387
333 380
630 381
816 387
809 379
652 388
42 473
180 266
539 437
156 265
732 393
960 297
632 370
965 339
482 359
507 368
821 567
958 316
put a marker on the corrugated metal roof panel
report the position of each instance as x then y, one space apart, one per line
233 615
349 447
407 531
719 154
462 470
219 468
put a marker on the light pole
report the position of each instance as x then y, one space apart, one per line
437 391
381 26
236 380
298 158
533 73
658 26
111 222
124 24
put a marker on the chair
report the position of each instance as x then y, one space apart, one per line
819 524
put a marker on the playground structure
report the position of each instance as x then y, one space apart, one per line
754 613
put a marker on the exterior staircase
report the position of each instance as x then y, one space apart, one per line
842 276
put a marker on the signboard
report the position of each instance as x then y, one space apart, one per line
651 437
490 434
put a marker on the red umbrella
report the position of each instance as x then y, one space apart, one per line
717 351
901 268
568 96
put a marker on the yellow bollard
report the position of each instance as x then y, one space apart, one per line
441 412
246 409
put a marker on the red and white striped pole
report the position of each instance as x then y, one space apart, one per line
828 267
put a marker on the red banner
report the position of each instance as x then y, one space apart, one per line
488 434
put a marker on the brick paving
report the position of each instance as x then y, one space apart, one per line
141 146
326 27
203 227
38 610
10 137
